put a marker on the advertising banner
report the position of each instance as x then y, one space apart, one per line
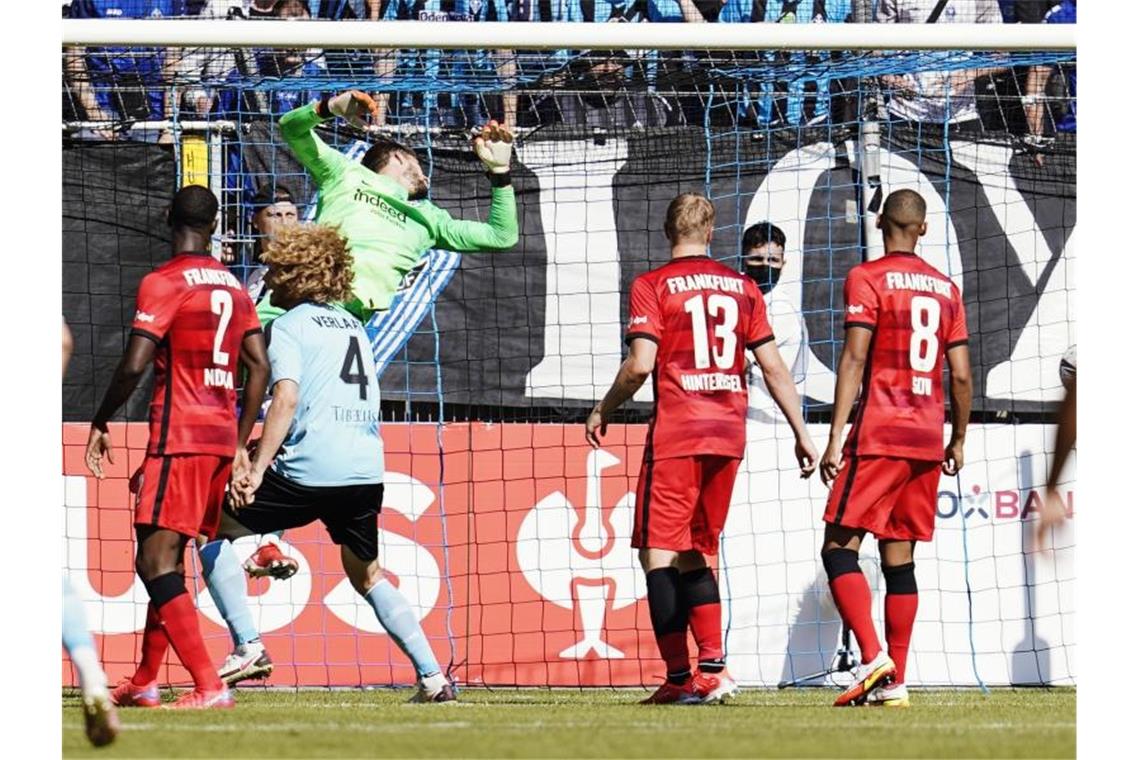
512 543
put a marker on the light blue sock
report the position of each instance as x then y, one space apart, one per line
75 633
400 622
78 642
226 582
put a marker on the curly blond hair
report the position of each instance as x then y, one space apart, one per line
309 262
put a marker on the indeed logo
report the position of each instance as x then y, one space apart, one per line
381 204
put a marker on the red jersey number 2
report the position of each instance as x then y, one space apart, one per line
222 304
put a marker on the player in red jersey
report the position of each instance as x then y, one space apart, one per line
194 320
690 322
903 317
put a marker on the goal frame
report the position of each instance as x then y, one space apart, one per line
529 35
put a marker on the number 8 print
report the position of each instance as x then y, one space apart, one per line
924 319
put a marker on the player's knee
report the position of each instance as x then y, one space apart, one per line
837 562
365 579
900 579
150 563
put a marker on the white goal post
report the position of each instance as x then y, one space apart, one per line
553 36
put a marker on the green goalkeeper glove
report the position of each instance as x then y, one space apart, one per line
493 147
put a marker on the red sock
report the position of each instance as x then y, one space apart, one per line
702 597
705 624
674 647
853 599
154 645
899 612
181 622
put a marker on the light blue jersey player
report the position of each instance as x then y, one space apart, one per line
100 718
320 456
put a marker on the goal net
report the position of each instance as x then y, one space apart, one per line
507 533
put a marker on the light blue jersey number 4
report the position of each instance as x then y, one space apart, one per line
335 436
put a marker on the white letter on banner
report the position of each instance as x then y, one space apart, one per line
125 613
583 267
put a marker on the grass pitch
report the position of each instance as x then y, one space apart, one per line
542 723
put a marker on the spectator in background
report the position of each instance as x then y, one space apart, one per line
207 66
1064 12
1025 11
251 9
449 110
762 254
236 102
803 101
242 104
272 208
762 260
934 97
596 89
117 84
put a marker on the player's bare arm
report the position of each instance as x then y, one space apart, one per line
68 346
631 376
1054 511
856 345
139 354
277 421
961 395
256 361
783 390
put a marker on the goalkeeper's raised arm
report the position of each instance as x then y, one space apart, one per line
379 204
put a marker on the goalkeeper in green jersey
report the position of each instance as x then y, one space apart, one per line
378 204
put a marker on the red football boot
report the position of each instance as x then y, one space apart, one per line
672 694
126 694
204 700
713 687
269 561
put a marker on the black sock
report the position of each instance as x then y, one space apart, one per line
670 621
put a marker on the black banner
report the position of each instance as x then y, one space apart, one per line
540 327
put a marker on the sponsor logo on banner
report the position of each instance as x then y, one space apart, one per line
582 557
1003 504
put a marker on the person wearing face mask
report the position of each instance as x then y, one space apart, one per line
763 251
762 260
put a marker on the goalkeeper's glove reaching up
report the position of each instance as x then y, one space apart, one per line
493 147
350 105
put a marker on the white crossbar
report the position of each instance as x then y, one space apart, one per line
579 36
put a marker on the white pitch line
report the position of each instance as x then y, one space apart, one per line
384 728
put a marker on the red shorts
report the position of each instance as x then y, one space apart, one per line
682 503
891 498
183 493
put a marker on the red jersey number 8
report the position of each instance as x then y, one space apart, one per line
925 313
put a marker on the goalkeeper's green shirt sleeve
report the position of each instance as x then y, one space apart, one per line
499 232
324 163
